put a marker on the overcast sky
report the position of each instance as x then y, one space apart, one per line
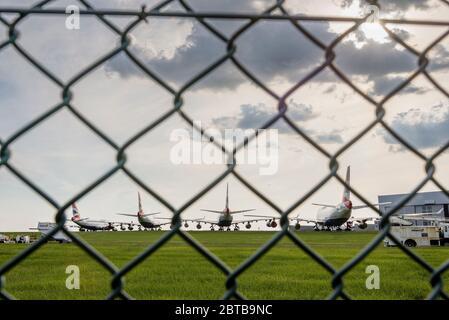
63 156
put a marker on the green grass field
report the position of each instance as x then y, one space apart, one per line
178 272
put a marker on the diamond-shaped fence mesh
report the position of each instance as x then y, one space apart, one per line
276 12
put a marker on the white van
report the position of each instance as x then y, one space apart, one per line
413 236
46 227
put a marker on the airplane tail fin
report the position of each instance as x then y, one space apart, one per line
227 196
140 212
347 192
75 212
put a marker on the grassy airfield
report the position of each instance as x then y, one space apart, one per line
177 271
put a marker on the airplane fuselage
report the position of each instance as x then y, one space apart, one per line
334 217
147 222
93 224
225 219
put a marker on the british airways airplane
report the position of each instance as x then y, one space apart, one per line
330 217
144 218
90 224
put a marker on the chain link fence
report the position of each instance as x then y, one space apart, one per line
276 12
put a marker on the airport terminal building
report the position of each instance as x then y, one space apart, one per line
423 202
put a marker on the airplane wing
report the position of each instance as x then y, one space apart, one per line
424 214
419 214
297 218
241 211
201 220
362 219
304 220
70 220
162 224
262 216
214 211
246 221
374 205
149 214
127 215
323 205
404 217
188 220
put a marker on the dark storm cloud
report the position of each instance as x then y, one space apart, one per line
423 128
276 50
269 50
254 116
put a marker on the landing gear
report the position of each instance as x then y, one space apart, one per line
228 229
236 228
220 229
348 226
212 228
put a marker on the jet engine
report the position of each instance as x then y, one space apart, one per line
363 225
248 225
186 225
198 226
122 227
130 228
297 226
273 224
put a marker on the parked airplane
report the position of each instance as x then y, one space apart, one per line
331 217
225 218
94 225
143 218
89 224
407 219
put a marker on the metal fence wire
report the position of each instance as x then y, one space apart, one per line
276 12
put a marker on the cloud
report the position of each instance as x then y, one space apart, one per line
393 5
269 50
254 116
275 51
374 59
439 58
333 137
384 84
423 128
